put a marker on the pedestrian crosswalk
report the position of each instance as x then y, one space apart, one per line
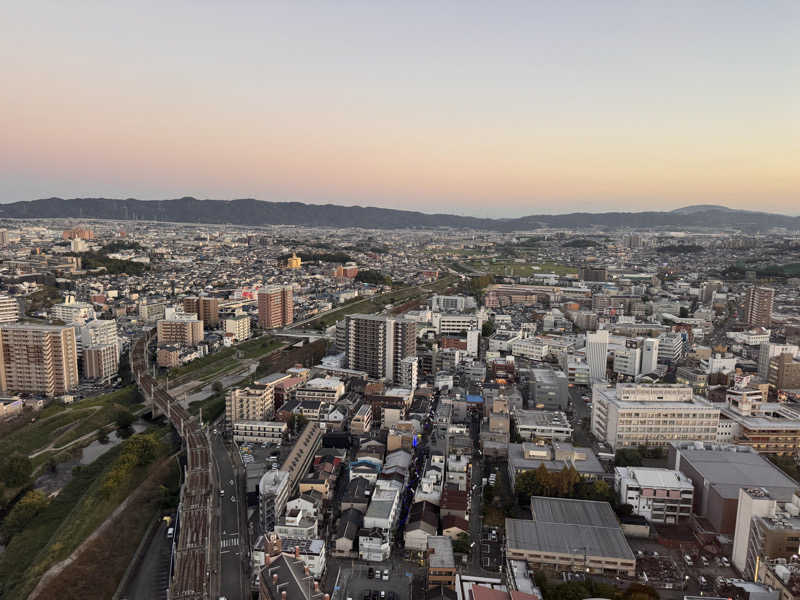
230 542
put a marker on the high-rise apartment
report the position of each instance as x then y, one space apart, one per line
597 353
377 345
275 307
38 359
254 402
183 331
205 307
9 310
101 362
758 306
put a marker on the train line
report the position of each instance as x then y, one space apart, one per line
191 579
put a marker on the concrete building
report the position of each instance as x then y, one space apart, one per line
549 389
168 356
151 310
542 425
362 420
98 332
273 493
529 457
38 359
670 348
631 415
275 307
784 372
101 362
768 351
324 389
649 356
766 529
628 360
441 563
533 348
180 330
9 310
377 345
72 311
758 306
259 432
597 354
302 454
205 307
570 535
238 326
659 495
718 472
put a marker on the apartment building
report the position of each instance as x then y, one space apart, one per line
659 495
260 432
362 420
784 372
377 345
275 307
758 306
9 310
768 351
99 332
441 563
182 330
255 402
273 494
101 362
323 389
447 323
152 310
631 415
38 359
205 307
72 311
238 326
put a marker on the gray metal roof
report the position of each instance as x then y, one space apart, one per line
574 512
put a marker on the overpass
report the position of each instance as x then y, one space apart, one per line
194 552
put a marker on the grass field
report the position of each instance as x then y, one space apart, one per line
61 527
505 268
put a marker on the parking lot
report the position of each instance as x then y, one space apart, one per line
491 548
363 587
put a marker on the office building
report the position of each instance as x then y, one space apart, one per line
181 330
659 495
670 348
628 360
719 471
549 389
377 345
766 529
439 303
570 535
275 307
273 493
597 354
649 356
255 402
784 372
542 425
555 457
631 415
9 310
101 362
38 359
768 351
758 306
238 326
205 307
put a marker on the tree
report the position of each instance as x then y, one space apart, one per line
23 513
684 312
15 470
628 457
487 328
124 419
217 387
461 544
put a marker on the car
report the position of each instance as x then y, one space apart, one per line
222 492
383 594
377 574
725 561
233 498
386 575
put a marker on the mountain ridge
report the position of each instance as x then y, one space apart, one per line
249 211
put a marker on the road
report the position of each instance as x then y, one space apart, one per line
151 580
234 540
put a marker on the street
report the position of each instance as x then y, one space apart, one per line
233 538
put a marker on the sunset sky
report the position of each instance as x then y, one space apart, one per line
479 108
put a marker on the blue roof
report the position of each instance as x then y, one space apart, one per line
474 398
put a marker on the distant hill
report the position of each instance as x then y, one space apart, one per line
257 212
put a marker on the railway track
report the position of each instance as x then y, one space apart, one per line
191 574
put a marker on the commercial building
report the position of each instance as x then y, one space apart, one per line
9 310
631 415
768 351
275 307
542 425
238 326
101 362
549 389
766 529
181 330
570 535
533 348
38 359
302 454
758 306
377 345
597 354
441 563
784 372
658 495
719 471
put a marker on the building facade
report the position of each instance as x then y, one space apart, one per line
38 359
275 307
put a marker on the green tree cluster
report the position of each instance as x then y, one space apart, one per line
138 451
566 483
15 470
628 457
23 513
578 590
373 277
479 282
461 543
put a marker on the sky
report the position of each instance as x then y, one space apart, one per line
476 108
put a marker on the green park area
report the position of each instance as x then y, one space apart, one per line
507 268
